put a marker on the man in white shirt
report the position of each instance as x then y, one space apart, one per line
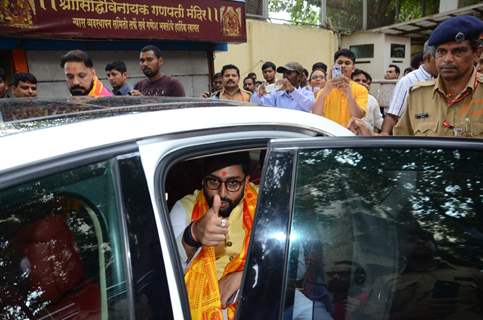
397 107
373 115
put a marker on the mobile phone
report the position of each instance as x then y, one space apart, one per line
336 71
445 289
233 298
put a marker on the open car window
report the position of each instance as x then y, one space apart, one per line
386 234
59 252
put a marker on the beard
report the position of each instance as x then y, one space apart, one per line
225 212
148 72
80 91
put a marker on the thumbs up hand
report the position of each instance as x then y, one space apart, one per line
211 229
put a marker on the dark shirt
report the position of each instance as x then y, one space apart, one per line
164 86
123 90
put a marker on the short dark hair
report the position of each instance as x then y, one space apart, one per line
398 71
117 65
154 49
269 64
416 60
408 69
345 53
216 76
248 78
24 77
217 162
306 72
2 77
228 67
360 71
76 56
252 75
319 66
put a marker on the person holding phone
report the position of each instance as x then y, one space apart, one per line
341 98
288 92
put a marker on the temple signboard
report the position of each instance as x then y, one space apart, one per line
207 20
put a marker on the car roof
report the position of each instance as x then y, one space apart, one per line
25 114
28 147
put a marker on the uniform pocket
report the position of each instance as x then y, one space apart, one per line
425 128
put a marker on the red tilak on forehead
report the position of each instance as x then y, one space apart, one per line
223 173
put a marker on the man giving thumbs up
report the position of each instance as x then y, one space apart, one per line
212 228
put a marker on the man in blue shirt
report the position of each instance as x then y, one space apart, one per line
117 75
287 92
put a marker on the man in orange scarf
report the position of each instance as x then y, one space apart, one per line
212 227
81 76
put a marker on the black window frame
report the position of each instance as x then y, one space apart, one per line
64 163
296 145
164 166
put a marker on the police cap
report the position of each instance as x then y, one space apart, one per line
457 29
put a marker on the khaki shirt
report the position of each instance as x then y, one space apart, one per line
240 95
431 112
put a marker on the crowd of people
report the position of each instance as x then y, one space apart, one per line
450 65
443 96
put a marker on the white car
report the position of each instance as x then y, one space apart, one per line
86 187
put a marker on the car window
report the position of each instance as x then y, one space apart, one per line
60 254
151 294
386 234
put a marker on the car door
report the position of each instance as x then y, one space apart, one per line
159 155
367 229
78 240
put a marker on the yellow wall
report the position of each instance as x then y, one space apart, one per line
280 44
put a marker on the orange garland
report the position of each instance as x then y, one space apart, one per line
201 279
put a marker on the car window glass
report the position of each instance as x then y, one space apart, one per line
151 294
386 234
60 256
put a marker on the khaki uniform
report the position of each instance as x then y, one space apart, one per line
240 95
431 112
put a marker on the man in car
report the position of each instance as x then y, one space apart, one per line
451 104
392 72
24 84
116 72
289 94
341 98
397 107
80 75
231 85
212 227
156 84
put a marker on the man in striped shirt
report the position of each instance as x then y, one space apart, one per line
425 72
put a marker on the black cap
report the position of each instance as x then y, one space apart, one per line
457 29
291 66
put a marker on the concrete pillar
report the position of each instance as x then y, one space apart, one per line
447 5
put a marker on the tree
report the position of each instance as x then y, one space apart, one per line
346 15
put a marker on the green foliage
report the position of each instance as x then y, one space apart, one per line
346 15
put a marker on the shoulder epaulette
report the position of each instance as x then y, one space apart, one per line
423 84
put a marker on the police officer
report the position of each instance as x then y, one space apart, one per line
451 104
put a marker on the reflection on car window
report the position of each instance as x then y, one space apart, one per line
386 234
59 258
